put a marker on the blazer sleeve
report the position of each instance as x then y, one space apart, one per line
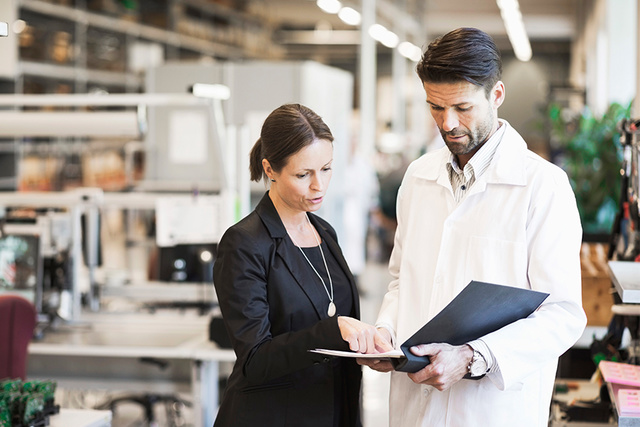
240 278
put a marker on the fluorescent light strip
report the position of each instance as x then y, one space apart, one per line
350 16
329 6
378 32
384 36
410 51
215 91
512 18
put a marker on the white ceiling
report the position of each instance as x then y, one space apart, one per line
546 21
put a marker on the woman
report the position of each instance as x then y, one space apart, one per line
284 288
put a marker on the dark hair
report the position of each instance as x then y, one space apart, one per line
462 54
288 129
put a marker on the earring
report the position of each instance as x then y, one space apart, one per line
273 180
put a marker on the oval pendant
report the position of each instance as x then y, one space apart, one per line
332 309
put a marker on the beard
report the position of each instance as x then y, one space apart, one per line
474 137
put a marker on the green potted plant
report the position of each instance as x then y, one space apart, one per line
589 150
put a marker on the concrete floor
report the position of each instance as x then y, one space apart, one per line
375 394
372 283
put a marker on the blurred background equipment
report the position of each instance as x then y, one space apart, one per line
624 255
619 348
94 207
27 403
17 322
63 261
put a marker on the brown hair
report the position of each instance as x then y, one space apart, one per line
288 129
462 54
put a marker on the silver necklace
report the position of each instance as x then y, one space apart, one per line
331 311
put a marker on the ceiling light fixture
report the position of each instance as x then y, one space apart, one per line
410 51
215 91
350 16
384 36
512 18
329 6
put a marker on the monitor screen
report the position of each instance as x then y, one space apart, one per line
21 266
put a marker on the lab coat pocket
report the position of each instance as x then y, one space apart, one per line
497 261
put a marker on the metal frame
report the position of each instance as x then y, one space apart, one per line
77 202
89 200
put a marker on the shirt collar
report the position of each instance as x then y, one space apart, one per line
481 160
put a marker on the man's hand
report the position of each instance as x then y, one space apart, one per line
448 364
363 337
379 365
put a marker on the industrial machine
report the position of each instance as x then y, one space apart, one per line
65 227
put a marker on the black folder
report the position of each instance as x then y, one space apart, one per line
479 309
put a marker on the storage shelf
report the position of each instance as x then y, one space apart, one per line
216 9
7 147
104 45
63 72
147 32
8 183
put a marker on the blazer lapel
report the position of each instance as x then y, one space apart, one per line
292 258
337 254
304 275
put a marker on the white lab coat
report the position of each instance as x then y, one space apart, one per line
517 226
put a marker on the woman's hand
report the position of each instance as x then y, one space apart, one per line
380 365
362 337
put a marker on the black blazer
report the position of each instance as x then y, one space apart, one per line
273 317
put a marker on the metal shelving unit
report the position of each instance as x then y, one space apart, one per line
179 29
86 46
173 39
147 32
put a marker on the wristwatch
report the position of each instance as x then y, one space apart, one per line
477 367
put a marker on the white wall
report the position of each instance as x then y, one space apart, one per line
621 28
606 53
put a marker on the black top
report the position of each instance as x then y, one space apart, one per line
343 300
275 311
342 296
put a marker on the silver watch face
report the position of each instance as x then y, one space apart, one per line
478 366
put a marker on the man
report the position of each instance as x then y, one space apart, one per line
482 208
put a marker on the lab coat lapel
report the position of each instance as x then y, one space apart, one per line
508 166
509 162
511 170
435 169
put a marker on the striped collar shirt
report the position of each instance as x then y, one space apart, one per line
462 179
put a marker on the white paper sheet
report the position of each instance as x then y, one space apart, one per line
386 355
